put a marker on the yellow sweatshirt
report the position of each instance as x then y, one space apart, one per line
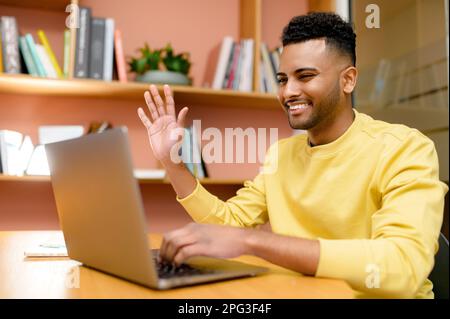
372 198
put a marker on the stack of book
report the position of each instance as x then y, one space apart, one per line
19 156
235 66
94 50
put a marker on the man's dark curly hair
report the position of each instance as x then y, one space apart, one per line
338 33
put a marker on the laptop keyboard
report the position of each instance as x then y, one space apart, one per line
169 270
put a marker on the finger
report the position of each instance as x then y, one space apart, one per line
176 244
144 119
168 238
189 251
182 117
158 100
151 105
170 102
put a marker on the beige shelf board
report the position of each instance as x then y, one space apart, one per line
205 181
184 95
52 5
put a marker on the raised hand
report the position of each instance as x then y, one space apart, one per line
165 130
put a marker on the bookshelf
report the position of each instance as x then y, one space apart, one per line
38 101
184 95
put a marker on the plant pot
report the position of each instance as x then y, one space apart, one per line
164 77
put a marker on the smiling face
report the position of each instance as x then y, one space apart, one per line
313 87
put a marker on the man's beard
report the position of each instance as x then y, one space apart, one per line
320 112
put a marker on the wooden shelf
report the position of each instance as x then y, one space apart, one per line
184 95
205 181
52 5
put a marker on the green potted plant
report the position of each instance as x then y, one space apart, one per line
161 66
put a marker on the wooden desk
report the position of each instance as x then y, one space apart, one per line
54 278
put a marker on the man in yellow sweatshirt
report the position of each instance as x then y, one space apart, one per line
355 198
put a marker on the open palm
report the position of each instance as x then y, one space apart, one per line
165 130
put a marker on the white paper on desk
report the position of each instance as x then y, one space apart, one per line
46 250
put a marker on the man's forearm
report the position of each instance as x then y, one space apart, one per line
301 255
181 178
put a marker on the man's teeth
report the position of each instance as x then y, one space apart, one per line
298 106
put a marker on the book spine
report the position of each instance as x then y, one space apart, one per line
37 62
72 48
246 77
225 51
45 60
66 53
229 67
238 71
270 75
236 55
120 59
10 45
50 53
27 57
82 44
1 50
108 57
97 48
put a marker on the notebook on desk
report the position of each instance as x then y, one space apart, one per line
103 221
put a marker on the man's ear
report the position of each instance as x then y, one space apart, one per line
349 77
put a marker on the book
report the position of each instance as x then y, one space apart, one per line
236 54
10 45
186 150
38 164
50 53
10 142
24 156
72 52
66 66
108 57
83 44
119 55
237 71
45 60
224 56
229 67
34 54
246 72
28 58
97 47
1 54
197 160
149 173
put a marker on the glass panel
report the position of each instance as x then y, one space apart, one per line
403 65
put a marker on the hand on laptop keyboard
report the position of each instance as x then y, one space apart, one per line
168 269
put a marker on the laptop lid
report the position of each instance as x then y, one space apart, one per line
93 184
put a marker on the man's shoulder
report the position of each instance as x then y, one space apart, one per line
390 134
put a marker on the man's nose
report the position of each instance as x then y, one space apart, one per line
291 89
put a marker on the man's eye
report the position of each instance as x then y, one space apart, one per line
305 76
280 80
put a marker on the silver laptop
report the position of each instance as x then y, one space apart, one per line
102 216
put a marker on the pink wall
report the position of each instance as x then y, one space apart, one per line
31 206
275 15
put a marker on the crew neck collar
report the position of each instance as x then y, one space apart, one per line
337 144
